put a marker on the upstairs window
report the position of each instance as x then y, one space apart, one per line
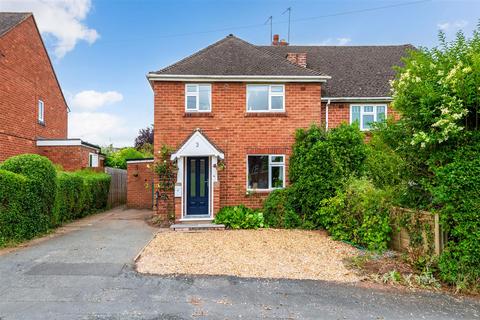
266 172
41 111
366 115
198 97
265 98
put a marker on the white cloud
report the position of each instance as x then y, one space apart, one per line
334 42
91 99
452 25
101 128
62 19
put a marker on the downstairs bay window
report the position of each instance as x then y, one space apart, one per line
366 115
265 172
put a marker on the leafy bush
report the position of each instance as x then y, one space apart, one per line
240 217
360 214
39 192
383 166
118 159
278 211
34 197
457 192
321 162
14 220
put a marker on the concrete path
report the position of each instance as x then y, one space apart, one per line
87 273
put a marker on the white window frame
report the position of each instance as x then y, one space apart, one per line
362 113
270 95
197 95
41 111
270 166
91 162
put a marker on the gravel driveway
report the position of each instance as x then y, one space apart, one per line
87 273
262 253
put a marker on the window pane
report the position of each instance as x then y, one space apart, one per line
193 184
367 121
258 172
277 177
191 102
381 113
277 159
257 97
356 114
202 178
277 88
277 103
368 109
191 88
204 102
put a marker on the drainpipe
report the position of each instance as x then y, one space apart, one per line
326 114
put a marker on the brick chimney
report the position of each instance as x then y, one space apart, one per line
299 58
275 41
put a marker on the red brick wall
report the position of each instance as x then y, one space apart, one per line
71 158
234 131
139 185
26 76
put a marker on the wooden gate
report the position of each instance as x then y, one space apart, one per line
118 187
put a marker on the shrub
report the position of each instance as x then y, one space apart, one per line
39 191
320 164
457 192
34 197
240 217
360 214
14 220
118 159
278 211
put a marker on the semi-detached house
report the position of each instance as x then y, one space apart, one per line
230 112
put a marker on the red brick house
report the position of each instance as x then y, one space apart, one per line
34 113
230 112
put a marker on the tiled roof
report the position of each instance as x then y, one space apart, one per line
356 71
232 56
8 20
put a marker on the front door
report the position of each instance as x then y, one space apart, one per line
197 186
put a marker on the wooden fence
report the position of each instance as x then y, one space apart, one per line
417 230
118 187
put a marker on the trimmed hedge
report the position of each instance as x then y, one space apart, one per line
35 198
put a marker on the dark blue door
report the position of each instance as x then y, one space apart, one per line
197 186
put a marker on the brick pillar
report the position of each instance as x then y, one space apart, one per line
216 197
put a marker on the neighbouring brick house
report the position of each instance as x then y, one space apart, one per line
34 113
230 112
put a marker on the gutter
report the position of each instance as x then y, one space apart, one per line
235 78
357 99
326 114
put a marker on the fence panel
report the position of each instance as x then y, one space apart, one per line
118 187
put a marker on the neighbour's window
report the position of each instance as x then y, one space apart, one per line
266 172
366 115
93 160
41 111
198 97
262 97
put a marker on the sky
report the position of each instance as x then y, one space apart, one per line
102 49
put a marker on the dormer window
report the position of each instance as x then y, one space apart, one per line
265 98
198 97
41 112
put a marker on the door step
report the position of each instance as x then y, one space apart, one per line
196 226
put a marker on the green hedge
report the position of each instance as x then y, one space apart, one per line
35 198
278 210
360 214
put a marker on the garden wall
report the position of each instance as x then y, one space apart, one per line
140 179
